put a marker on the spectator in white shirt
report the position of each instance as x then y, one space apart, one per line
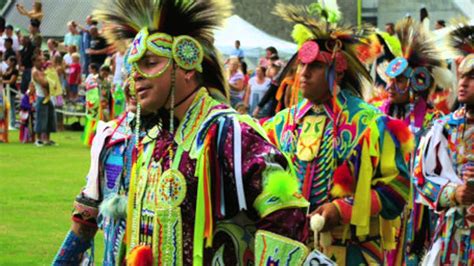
68 56
10 34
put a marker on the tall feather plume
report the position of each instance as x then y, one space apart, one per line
418 47
462 38
123 19
197 19
303 16
314 25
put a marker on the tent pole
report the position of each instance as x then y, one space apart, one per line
359 13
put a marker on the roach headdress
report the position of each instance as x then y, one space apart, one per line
181 30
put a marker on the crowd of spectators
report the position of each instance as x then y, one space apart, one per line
44 80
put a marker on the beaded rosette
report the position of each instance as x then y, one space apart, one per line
419 77
156 216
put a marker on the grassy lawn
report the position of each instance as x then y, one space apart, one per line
38 186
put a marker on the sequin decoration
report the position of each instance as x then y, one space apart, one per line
187 53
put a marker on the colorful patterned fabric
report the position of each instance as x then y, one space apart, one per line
108 179
99 106
92 112
4 114
417 226
442 154
273 249
27 133
366 161
224 158
118 97
72 251
425 114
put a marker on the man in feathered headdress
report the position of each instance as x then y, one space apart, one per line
349 157
203 178
445 166
411 78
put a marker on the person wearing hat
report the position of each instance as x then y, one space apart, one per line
411 78
203 177
445 164
349 156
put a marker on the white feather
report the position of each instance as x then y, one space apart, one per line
443 77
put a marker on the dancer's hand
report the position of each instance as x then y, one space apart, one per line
331 216
468 175
464 195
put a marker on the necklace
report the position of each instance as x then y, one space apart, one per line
154 212
170 193
188 96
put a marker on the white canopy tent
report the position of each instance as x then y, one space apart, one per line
253 40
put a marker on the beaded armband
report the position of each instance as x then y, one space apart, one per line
72 250
85 211
273 249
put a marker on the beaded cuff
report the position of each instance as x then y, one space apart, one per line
85 211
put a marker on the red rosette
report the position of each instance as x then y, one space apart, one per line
308 52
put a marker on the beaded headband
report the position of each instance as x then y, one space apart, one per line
184 50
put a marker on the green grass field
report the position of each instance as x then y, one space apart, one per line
38 186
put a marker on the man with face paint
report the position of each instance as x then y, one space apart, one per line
203 178
349 157
445 165
411 78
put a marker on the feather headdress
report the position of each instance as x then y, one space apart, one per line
123 20
421 60
461 41
320 22
418 48
462 38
